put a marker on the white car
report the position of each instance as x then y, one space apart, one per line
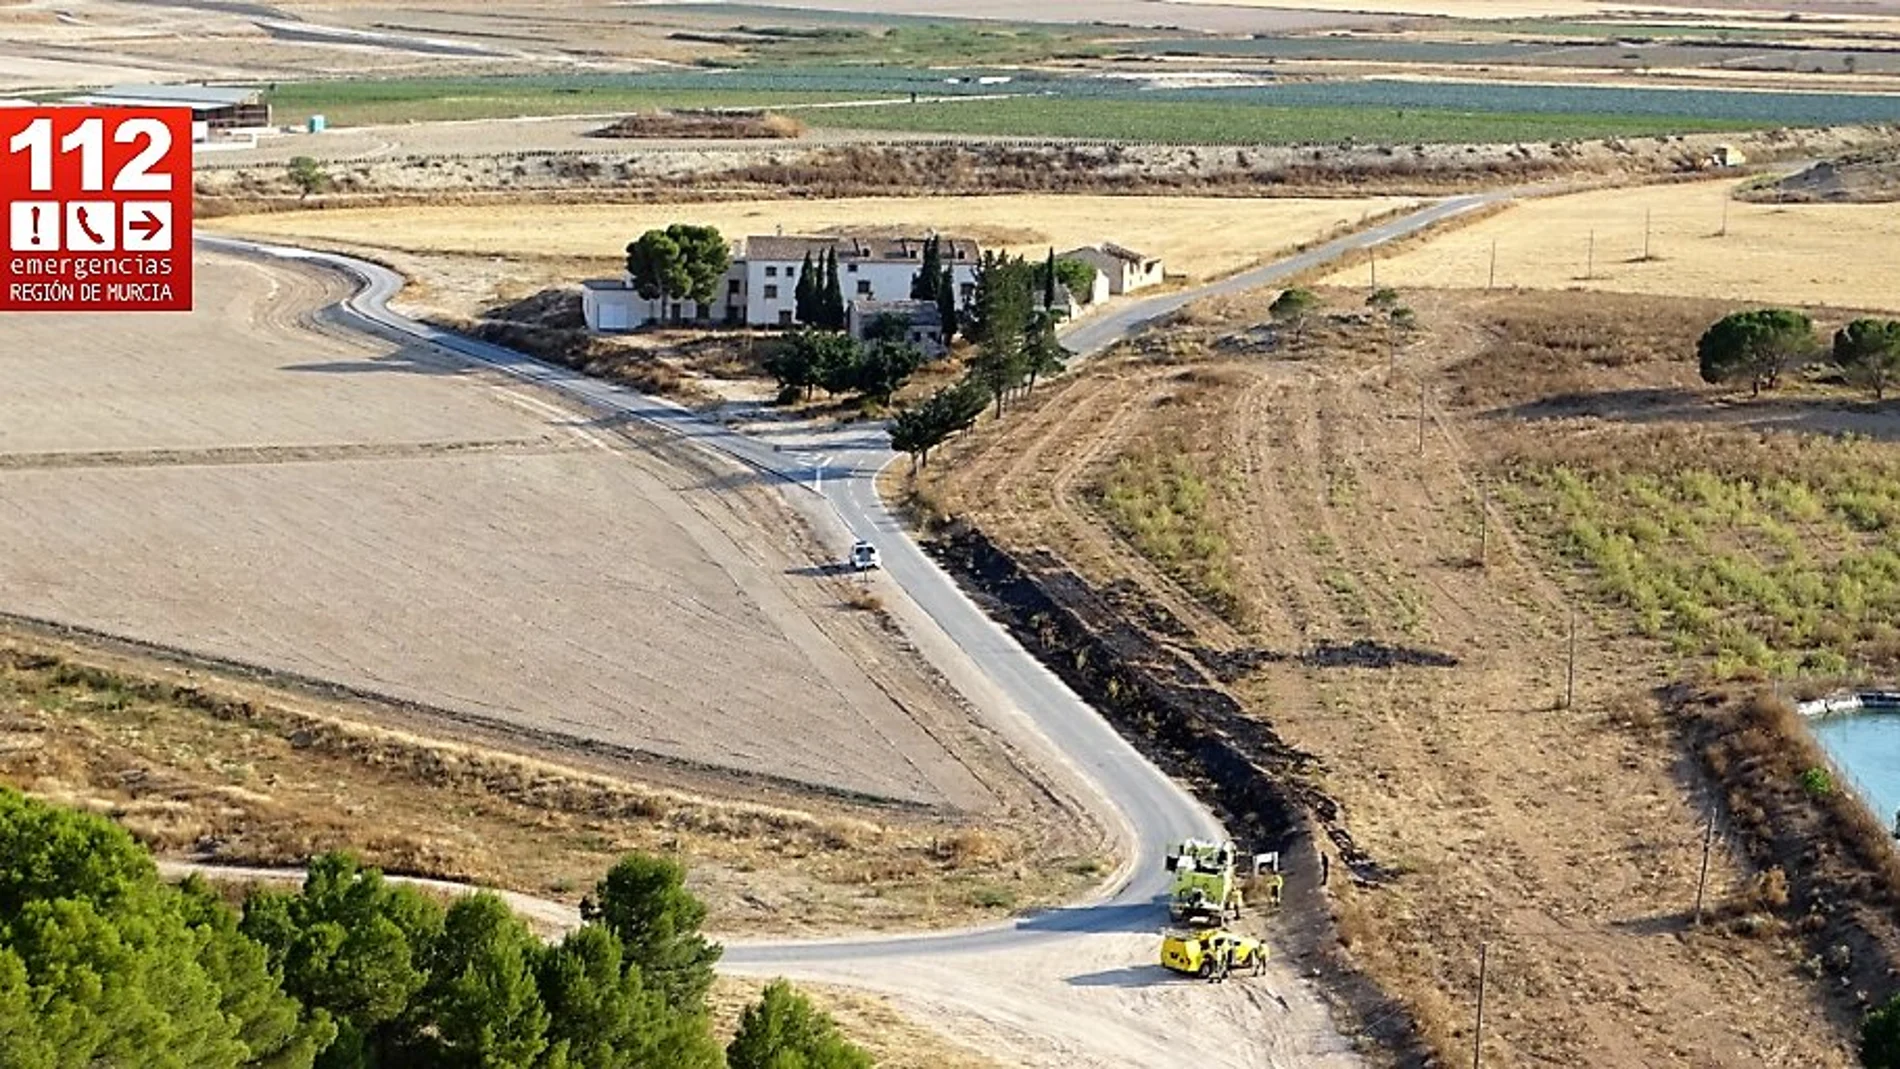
863 556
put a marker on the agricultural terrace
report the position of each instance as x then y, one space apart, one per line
1229 123
1267 486
1081 104
1785 254
1200 237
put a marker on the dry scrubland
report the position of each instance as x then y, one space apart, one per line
1272 494
1197 236
318 504
1779 253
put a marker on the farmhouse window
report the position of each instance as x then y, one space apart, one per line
851 268
770 271
732 286
771 293
864 287
785 319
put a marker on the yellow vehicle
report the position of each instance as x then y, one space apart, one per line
1194 951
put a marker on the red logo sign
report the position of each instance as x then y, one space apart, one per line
95 209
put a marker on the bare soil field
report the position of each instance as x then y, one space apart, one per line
477 550
1262 497
1199 237
1780 253
224 769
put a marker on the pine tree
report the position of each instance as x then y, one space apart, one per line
481 997
783 1029
603 1015
644 901
802 297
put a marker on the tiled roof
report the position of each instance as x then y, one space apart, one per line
904 249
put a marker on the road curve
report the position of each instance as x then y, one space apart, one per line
842 467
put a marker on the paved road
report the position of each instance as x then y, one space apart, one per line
842 466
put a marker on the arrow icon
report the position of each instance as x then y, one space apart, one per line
146 226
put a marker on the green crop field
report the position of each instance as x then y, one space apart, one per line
360 103
1208 122
1778 556
935 44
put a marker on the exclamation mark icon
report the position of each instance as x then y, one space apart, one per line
33 226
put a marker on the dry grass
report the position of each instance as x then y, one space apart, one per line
191 764
1195 236
1811 254
1562 840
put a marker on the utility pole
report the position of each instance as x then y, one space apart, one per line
1570 669
1646 215
1477 1037
1702 882
1590 264
1373 260
1492 279
1421 419
1484 526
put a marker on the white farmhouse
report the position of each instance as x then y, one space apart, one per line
1127 270
764 282
760 288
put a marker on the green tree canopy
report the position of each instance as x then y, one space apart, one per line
805 294
1292 307
102 964
1756 345
657 268
947 305
351 945
682 262
929 276
603 1016
922 427
783 1030
481 1000
831 314
1880 1037
1868 351
1001 315
644 902
883 367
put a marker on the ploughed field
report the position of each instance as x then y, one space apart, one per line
247 483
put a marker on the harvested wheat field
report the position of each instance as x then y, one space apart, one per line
1785 254
1269 507
320 504
1199 237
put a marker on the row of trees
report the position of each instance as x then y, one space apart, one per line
101 963
1012 319
874 369
1760 345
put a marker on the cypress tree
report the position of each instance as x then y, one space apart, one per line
807 289
1049 280
834 293
923 287
947 304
